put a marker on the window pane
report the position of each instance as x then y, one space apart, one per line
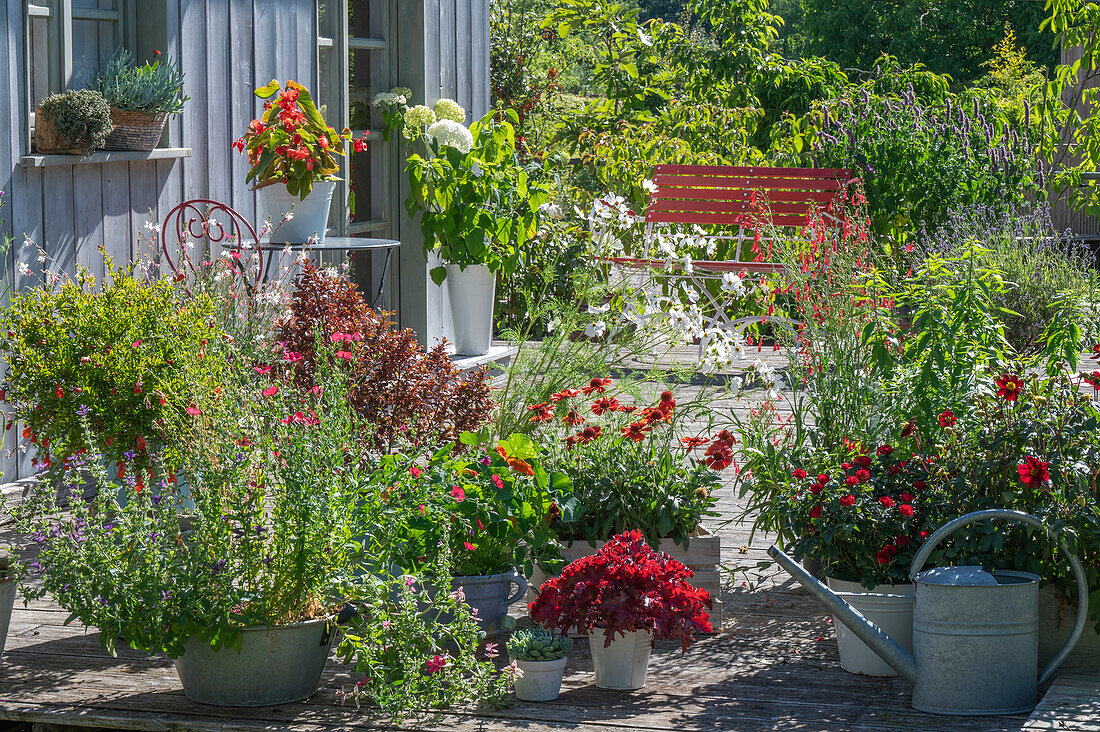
39 60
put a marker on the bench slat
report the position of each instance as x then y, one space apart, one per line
743 207
679 217
743 183
733 194
754 171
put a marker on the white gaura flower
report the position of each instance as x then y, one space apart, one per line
452 134
24 269
762 369
595 330
771 394
152 226
649 186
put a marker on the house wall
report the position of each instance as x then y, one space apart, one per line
227 48
1064 215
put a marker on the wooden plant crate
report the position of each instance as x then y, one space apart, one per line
703 556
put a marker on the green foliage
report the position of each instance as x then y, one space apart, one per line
950 37
536 644
151 88
81 117
116 363
478 207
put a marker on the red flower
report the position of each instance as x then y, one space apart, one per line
863 475
436 664
262 369
293 356
848 500
863 460
636 431
542 412
193 410
799 473
597 386
1033 470
346 355
905 498
823 478
590 433
271 391
885 450
718 457
815 512
908 429
851 480
920 485
693 442
1009 387
458 494
573 418
886 501
816 488
605 404
947 418
906 510
137 388
902 541
667 402
497 482
59 392
565 394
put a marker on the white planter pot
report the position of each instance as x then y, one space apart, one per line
890 607
541 680
310 216
7 601
473 296
623 664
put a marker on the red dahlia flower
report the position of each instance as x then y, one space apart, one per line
1033 470
1009 387
947 419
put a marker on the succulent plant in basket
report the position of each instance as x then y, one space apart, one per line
541 656
73 122
141 98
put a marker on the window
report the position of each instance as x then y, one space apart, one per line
66 40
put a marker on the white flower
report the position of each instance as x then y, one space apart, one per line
601 309
28 242
732 283
761 368
24 269
419 116
772 394
552 324
738 351
449 109
649 186
152 226
688 268
736 383
452 134
288 216
551 210
595 330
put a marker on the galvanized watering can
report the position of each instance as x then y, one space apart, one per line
975 634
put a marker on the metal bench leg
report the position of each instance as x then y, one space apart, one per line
382 280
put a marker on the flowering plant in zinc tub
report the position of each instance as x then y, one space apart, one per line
493 507
626 466
626 586
291 143
107 367
864 518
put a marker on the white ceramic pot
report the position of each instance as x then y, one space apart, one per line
473 296
623 664
310 218
890 607
541 680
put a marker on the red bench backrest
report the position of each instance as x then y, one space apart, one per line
719 194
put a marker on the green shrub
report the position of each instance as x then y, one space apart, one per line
151 88
81 117
123 360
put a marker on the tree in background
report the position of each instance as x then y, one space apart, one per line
951 37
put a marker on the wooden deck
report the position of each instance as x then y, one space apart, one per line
773 666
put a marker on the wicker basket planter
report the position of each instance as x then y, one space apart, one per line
48 141
135 130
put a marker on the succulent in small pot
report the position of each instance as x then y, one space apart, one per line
141 98
75 122
541 656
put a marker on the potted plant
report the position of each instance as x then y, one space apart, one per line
623 597
141 98
541 656
629 471
293 157
9 576
74 122
107 367
863 522
477 210
496 508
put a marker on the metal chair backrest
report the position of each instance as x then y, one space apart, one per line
211 221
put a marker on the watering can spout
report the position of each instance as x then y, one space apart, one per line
886 647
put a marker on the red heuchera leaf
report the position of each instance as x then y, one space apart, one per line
625 586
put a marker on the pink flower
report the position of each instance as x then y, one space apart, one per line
415 471
271 391
436 664
262 369
346 355
498 482
193 410
338 337
468 546
293 356
136 343
422 511
458 494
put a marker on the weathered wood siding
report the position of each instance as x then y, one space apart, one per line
1064 215
226 48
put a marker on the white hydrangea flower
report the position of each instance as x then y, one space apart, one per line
418 117
452 134
449 109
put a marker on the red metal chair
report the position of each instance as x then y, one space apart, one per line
198 219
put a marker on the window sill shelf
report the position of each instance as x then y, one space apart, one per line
104 156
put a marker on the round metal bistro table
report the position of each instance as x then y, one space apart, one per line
340 244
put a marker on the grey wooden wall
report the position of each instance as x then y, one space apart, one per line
442 51
227 48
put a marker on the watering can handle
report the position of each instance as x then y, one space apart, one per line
1024 518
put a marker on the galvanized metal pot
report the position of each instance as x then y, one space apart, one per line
975 634
276 665
489 595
